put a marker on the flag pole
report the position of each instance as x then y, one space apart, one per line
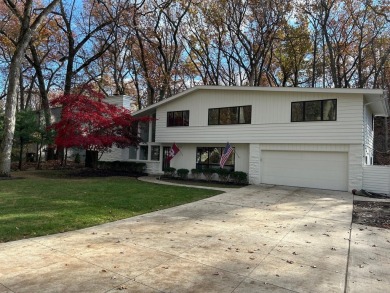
234 150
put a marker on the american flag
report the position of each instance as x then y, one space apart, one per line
226 154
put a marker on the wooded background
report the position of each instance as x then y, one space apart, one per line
153 49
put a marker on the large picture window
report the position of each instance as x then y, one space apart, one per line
321 110
230 115
178 118
209 157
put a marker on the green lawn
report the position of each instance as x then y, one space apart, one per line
50 202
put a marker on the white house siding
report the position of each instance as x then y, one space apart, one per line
368 136
116 154
355 168
254 174
153 167
271 114
122 101
376 179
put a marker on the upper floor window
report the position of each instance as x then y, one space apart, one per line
178 118
230 115
321 110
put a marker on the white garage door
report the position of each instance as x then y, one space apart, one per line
324 170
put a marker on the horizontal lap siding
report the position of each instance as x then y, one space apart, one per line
376 179
270 119
275 133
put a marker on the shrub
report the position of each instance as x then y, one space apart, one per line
140 167
208 173
131 167
169 171
223 175
196 173
239 177
182 173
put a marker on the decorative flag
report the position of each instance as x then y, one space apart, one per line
172 152
226 154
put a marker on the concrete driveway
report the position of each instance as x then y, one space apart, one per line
253 239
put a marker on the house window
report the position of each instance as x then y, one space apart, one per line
209 157
178 118
144 131
321 110
230 115
132 153
143 152
155 153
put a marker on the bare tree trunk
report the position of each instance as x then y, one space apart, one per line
36 63
26 31
10 107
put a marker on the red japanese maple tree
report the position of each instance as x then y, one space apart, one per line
89 123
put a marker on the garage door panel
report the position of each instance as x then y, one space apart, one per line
325 170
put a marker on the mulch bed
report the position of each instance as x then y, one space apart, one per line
371 213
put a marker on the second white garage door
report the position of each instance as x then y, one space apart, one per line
326 170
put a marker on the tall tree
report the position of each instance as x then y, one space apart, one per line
80 32
290 55
253 28
28 23
89 123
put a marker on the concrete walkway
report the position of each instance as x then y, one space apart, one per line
156 179
253 239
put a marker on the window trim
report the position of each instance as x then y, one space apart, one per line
182 120
219 115
304 108
216 165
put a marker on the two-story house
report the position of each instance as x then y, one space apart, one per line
307 137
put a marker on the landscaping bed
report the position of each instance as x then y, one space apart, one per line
371 213
200 182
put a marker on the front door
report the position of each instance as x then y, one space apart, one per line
166 163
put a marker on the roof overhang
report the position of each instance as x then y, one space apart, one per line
379 104
375 98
